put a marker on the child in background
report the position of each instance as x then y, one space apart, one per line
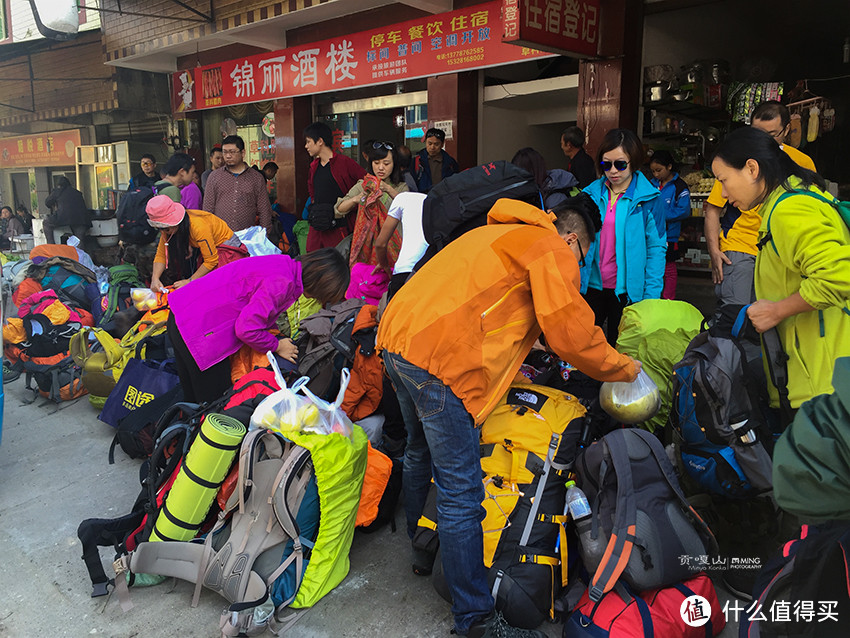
676 199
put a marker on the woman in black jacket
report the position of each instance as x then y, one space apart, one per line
69 209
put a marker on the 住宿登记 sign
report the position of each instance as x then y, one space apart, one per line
567 27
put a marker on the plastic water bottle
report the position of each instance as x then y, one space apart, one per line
579 509
577 503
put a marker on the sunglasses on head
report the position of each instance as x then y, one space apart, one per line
386 145
620 165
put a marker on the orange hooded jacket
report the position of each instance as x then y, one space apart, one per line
471 315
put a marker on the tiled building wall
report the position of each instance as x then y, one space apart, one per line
128 35
67 74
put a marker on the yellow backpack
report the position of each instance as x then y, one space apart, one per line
103 359
528 445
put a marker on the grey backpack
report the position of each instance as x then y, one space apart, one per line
318 357
261 541
640 513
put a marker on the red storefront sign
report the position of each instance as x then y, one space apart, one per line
444 43
44 149
559 26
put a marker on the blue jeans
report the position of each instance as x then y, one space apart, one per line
442 438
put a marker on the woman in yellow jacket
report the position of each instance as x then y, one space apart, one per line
802 273
189 237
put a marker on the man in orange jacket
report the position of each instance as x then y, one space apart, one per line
453 339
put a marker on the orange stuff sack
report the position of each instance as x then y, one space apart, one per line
27 287
378 470
366 386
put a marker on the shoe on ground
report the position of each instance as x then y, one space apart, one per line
10 374
495 626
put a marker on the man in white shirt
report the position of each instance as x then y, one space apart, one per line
406 210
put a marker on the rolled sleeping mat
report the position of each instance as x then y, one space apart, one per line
202 472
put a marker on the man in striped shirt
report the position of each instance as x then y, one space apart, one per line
235 193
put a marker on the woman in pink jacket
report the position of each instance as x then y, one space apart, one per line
237 304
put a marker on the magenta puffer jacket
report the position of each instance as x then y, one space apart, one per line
234 305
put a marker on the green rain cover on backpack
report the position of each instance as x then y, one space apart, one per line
122 278
656 332
339 464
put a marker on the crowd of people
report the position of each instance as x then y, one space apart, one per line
603 234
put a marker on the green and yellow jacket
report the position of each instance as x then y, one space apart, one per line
807 251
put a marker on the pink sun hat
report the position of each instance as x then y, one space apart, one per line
164 212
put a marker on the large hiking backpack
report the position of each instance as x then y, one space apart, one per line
137 432
657 332
720 410
75 284
71 287
46 339
640 514
122 279
172 436
57 377
528 445
260 552
133 226
103 359
461 202
811 580
318 357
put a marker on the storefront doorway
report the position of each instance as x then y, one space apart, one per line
398 119
21 190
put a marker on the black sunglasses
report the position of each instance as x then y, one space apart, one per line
386 145
620 165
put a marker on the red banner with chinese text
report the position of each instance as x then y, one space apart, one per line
445 43
43 149
559 26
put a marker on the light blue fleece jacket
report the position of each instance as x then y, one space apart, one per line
641 242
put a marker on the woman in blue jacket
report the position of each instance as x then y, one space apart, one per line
677 206
625 264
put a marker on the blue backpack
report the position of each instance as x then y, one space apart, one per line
720 408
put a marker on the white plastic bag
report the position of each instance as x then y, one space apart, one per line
631 402
285 410
147 299
255 240
332 416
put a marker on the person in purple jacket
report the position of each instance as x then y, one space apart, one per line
238 304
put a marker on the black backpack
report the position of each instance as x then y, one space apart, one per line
461 202
809 580
642 521
133 227
318 356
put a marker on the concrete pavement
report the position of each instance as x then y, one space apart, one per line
54 473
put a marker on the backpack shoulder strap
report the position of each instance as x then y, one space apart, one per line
670 475
842 208
620 545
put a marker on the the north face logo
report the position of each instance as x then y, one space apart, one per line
527 397
133 398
